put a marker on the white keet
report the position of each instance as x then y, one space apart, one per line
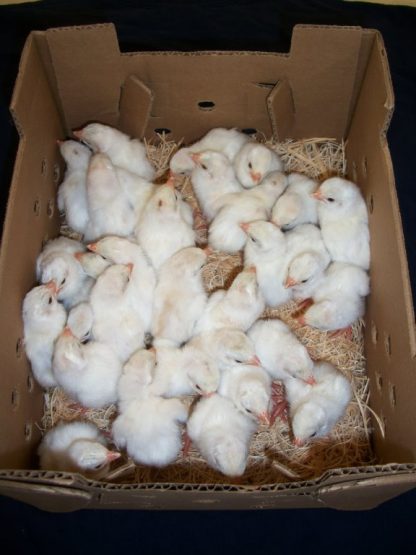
222 434
279 350
88 373
164 228
72 193
297 205
110 208
344 221
76 447
43 320
266 249
249 388
315 409
116 320
92 263
123 151
120 250
227 141
253 162
225 233
339 299
150 429
80 321
212 178
237 307
179 297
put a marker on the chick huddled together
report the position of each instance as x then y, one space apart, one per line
123 316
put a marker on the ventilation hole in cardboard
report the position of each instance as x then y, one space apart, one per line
379 381
387 343
50 208
249 130
364 166
43 166
370 203
163 130
384 420
30 384
45 240
36 207
15 399
56 173
206 105
392 395
374 333
354 171
28 431
19 347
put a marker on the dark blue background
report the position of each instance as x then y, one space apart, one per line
234 25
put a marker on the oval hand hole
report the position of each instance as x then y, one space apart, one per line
19 347
50 208
56 173
163 130
354 172
15 399
392 395
36 207
364 167
206 105
387 343
374 333
379 381
43 166
30 384
370 203
249 130
28 431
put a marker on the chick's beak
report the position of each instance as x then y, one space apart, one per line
112 456
196 157
255 176
318 195
78 134
290 282
254 361
301 320
130 267
208 251
244 226
207 394
310 380
92 247
298 442
67 332
78 255
52 286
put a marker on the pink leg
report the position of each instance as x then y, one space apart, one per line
186 444
279 403
77 407
302 308
343 331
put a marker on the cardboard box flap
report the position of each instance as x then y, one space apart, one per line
281 110
322 73
86 60
135 107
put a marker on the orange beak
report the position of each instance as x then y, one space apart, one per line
152 349
92 247
130 267
301 320
318 195
78 134
244 226
310 380
252 269
298 442
256 176
290 282
205 395
264 418
196 157
51 285
254 361
112 456
67 332
208 251
79 255
171 181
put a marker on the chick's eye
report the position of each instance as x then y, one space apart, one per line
204 167
50 300
253 239
238 361
313 435
63 281
98 466
304 280
250 165
249 411
330 199
198 387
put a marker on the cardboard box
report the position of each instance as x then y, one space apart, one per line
335 82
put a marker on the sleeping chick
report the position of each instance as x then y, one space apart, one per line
279 351
76 447
43 320
253 162
180 296
315 409
123 151
266 249
163 229
237 307
297 205
221 433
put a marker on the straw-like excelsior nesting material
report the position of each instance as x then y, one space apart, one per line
273 457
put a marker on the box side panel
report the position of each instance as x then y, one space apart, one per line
390 340
31 218
196 92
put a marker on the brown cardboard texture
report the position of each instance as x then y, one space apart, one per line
334 82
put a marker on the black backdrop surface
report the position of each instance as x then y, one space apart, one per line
224 25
